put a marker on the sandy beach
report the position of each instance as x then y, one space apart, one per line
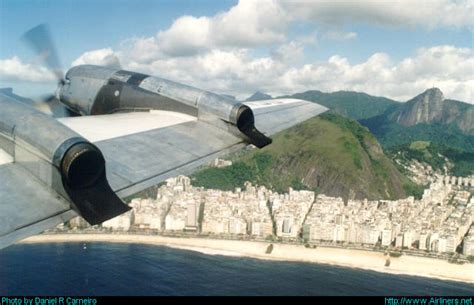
409 265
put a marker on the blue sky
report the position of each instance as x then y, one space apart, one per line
79 26
239 47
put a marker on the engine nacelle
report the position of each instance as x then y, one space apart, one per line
61 158
92 90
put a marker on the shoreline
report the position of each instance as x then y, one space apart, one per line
367 260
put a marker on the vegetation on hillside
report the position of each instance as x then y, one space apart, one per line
330 154
392 134
355 105
434 154
377 113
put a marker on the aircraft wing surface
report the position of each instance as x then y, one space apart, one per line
144 148
272 116
27 207
141 149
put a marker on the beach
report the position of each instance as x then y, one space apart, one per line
368 260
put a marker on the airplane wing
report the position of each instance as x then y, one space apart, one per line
27 207
51 169
144 148
140 149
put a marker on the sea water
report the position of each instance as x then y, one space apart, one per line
135 269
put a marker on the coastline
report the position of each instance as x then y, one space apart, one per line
368 260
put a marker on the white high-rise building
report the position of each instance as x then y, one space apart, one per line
424 241
192 214
468 246
120 223
386 237
407 239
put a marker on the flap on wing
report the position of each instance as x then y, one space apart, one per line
27 206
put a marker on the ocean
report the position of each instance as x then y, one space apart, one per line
134 269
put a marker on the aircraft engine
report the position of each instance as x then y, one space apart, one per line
93 90
60 158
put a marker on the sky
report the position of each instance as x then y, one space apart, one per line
395 49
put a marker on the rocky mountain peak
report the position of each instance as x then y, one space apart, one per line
426 107
430 107
430 96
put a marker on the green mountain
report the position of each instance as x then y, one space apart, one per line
430 107
330 154
355 105
426 117
391 134
435 154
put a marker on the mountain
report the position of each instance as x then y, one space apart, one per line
330 154
355 105
426 117
392 134
258 96
431 107
461 163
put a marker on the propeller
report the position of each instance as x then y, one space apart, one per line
49 104
39 39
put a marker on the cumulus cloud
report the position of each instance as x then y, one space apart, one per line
426 13
340 35
237 72
289 53
102 57
186 36
252 23
446 67
13 69
248 24
217 52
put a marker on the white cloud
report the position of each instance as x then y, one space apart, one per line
248 24
236 72
447 67
13 69
252 23
144 49
186 36
289 53
217 52
426 13
102 57
311 39
340 35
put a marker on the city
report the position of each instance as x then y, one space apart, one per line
438 224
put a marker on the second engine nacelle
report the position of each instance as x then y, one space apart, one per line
93 90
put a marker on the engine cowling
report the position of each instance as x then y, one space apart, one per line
61 158
92 90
